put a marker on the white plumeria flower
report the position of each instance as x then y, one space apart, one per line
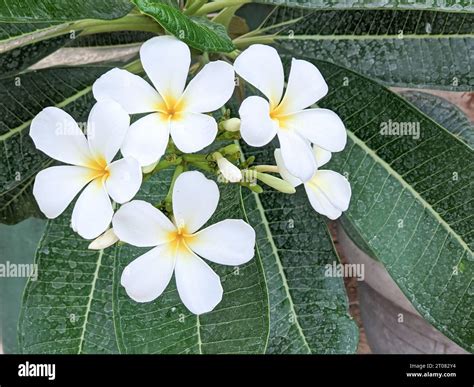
229 242
166 61
57 134
328 192
296 128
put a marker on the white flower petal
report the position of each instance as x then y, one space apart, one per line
256 126
106 129
147 139
125 178
261 66
145 278
105 240
195 199
230 172
133 93
210 89
140 224
166 61
93 211
285 174
322 127
192 132
56 187
55 133
198 286
321 155
329 193
297 155
229 242
305 87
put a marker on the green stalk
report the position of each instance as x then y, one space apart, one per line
215 6
169 197
195 6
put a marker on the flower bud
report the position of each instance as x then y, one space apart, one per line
231 125
277 183
149 168
228 170
105 240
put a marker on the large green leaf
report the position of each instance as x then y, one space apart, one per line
400 48
308 310
22 98
198 32
412 198
18 245
68 309
448 5
239 324
444 113
61 10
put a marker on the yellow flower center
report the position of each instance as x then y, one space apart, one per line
279 115
170 107
98 168
179 239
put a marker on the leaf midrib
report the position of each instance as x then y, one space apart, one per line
281 271
89 302
374 37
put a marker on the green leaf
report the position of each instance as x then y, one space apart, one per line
62 10
239 324
17 244
444 113
197 32
22 98
411 198
308 310
448 5
68 309
424 49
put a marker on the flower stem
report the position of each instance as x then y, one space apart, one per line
194 7
266 168
217 5
169 197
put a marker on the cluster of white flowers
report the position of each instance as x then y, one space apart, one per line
176 110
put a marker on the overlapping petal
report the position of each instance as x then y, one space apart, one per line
329 193
140 224
256 126
147 139
261 66
166 61
56 187
145 278
132 92
195 199
124 180
297 155
93 211
106 129
210 89
305 87
192 132
322 127
229 242
199 287
55 133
